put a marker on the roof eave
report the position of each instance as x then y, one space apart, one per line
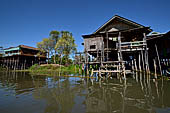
117 16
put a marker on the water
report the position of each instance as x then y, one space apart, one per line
23 93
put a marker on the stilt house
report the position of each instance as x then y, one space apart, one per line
159 50
22 57
117 40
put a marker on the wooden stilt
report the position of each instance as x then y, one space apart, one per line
143 63
8 64
146 54
18 63
155 68
79 63
32 62
15 65
124 71
147 62
25 64
135 65
139 63
107 45
146 65
91 72
158 59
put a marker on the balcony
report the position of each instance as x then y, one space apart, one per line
10 54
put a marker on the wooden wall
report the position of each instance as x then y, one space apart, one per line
97 41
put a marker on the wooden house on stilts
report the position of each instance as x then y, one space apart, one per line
118 46
22 57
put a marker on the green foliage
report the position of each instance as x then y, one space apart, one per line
2 69
66 44
62 43
34 67
55 33
46 45
65 60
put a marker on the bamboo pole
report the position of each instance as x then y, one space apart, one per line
143 63
97 55
60 64
107 44
25 64
139 63
18 63
135 65
155 68
75 63
92 72
158 59
146 62
79 63
15 65
146 54
7 64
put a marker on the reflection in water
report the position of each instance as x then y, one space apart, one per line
42 94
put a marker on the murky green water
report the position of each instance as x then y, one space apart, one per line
23 93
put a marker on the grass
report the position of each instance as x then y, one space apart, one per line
2 69
53 70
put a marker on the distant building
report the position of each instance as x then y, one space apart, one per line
22 57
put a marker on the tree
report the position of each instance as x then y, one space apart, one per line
55 36
66 44
46 45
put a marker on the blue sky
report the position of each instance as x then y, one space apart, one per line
28 21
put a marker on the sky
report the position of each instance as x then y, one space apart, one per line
29 21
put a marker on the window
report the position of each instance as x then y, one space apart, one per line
92 46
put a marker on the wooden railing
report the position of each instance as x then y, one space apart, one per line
132 46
